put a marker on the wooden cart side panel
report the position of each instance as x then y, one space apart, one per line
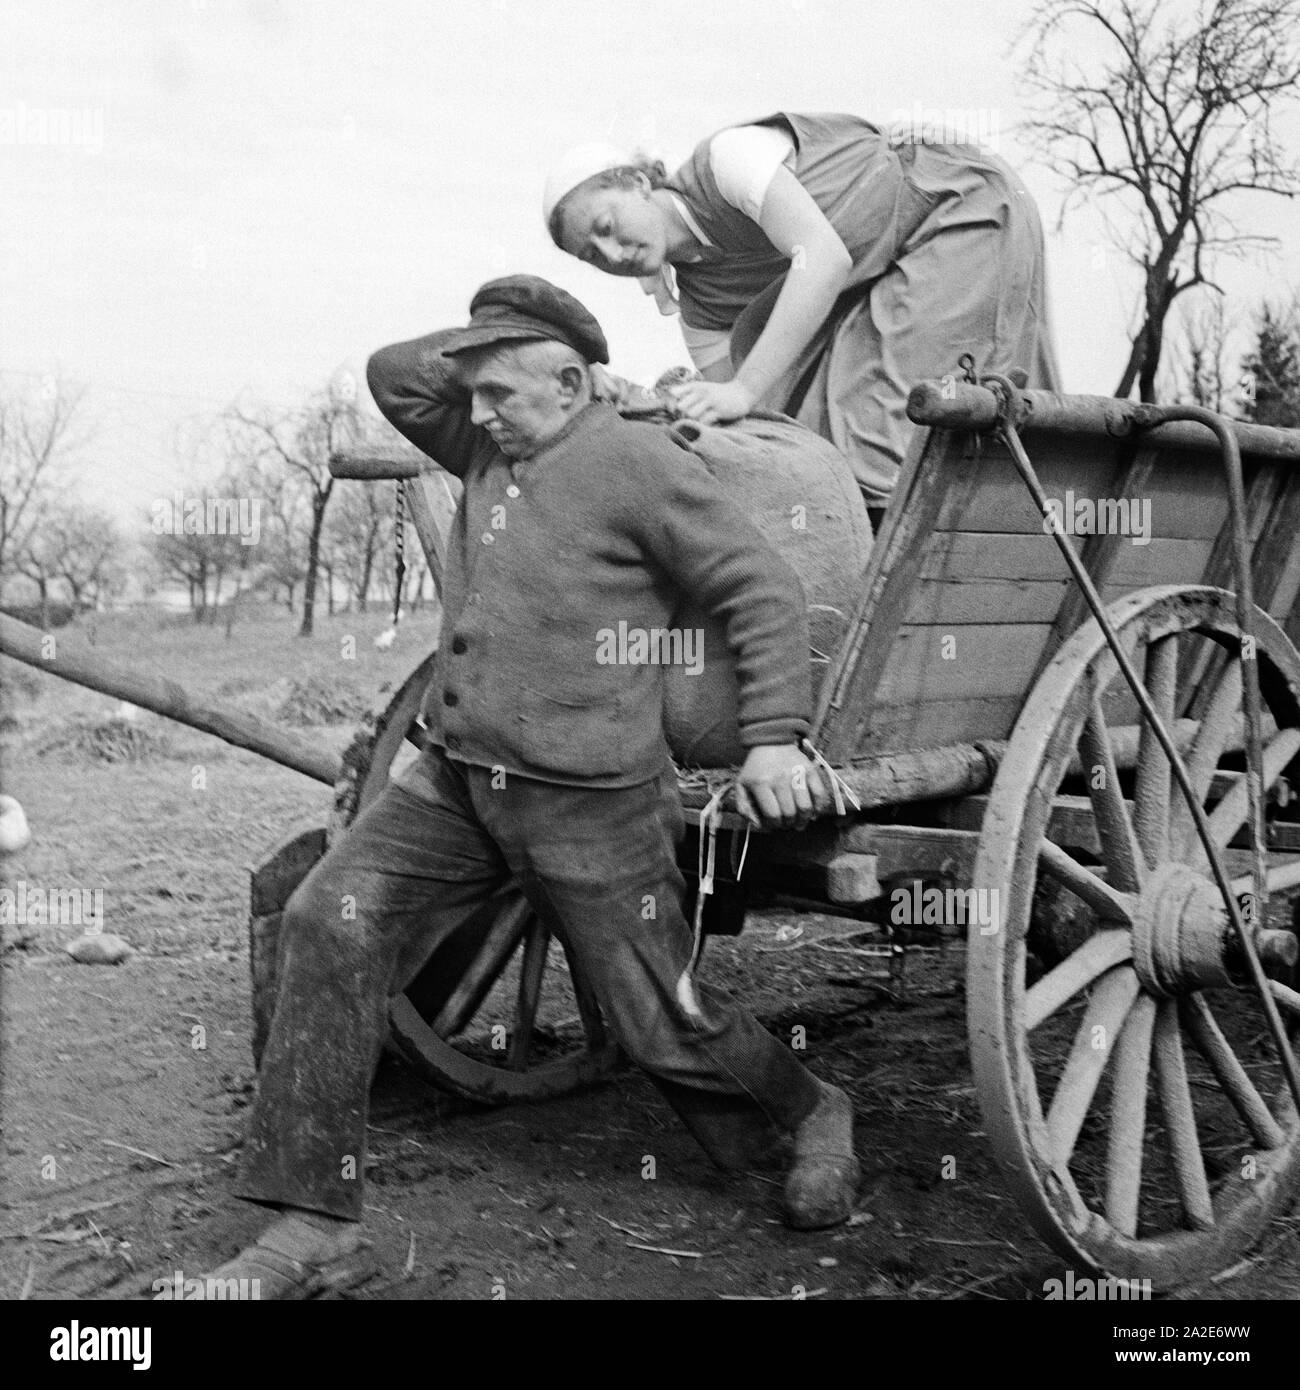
966 576
1186 491
968 598
934 460
943 651
898 728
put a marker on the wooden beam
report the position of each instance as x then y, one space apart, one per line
960 406
72 660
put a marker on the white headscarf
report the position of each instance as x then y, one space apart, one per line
584 162
580 164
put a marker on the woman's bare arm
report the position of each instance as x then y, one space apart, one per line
819 270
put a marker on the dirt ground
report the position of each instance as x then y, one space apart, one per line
120 1131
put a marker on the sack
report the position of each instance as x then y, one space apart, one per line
799 490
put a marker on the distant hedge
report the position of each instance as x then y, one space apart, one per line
57 613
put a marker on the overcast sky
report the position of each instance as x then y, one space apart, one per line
267 190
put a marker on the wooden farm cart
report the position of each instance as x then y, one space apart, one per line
1092 731
1071 686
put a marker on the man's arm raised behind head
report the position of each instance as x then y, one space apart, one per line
416 388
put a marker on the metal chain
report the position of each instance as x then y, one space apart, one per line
399 535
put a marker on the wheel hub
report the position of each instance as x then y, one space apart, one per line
1179 932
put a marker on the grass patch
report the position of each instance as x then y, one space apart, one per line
111 740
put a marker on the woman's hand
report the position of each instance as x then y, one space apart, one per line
713 402
605 386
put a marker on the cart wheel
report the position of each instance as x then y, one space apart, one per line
1133 1093
500 1011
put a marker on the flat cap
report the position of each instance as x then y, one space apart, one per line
520 308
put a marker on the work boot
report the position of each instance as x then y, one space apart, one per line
298 1256
823 1180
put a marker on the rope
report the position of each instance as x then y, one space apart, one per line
720 788
839 787
710 818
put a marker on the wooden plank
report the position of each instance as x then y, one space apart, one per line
1187 494
1276 555
844 878
952 600
1167 560
956 556
1198 676
897 849
272 882
976 661
1100 553
272 885
952 603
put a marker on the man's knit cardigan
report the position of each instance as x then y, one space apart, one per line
609 523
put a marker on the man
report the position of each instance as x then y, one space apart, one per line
544 764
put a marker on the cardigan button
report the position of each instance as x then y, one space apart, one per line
512 491
459 645
488 538
449 697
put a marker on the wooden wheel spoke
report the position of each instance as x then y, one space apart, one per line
1220 724
1230 814
1151 794
1180 1119
531 973
593 1022
484 970
1098 954
1286 997
1230 1074
1111 1000
1081 881
1128 1117
1119 845
1119 1113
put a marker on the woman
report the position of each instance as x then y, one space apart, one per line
823 269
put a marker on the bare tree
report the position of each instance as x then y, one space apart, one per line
37 432
284 541
36 558
1202 363
361 530
1173 119
198 557
87 548
301 444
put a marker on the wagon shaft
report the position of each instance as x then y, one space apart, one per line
73 661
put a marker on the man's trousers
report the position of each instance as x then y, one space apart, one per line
599 868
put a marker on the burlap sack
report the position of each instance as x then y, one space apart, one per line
799 491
